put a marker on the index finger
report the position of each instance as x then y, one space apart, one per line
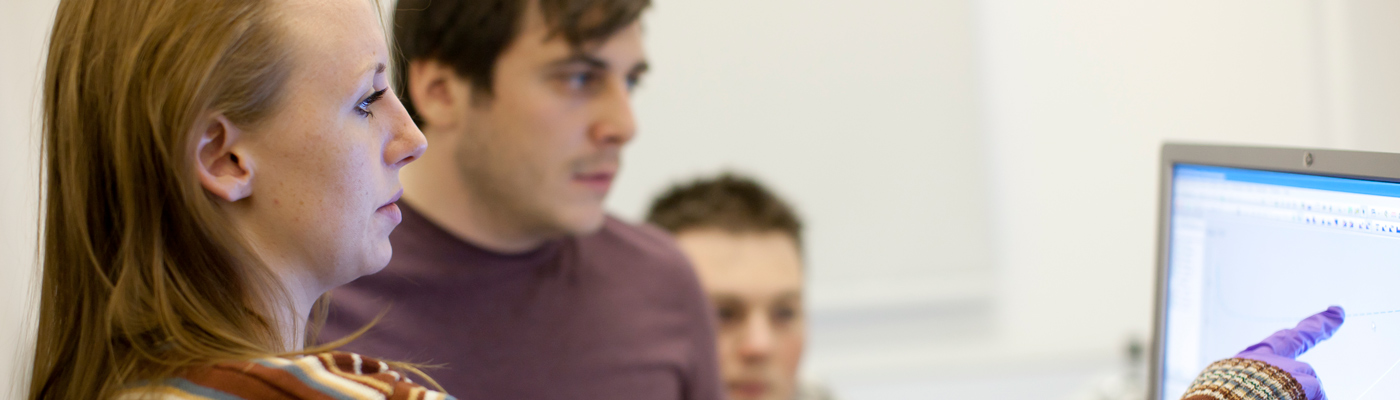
1310 331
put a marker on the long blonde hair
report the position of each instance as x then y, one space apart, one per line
142 275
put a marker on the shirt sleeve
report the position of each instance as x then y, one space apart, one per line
1244 379
703 382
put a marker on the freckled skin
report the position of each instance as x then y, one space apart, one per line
333 166
755 282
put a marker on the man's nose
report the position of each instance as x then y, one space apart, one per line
615 124
757 342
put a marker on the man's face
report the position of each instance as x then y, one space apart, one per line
755 282
542 150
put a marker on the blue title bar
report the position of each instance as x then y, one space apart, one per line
1359 186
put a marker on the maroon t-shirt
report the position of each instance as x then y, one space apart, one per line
618 314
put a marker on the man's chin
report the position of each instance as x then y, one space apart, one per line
583 222
752 391
585 227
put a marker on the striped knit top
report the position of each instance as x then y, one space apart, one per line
333 375
1244 379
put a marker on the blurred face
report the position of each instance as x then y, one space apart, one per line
323 170
755 282
543 149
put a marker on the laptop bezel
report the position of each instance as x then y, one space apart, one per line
1335 163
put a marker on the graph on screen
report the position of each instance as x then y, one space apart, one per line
1252 253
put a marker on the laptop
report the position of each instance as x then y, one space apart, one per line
1253 239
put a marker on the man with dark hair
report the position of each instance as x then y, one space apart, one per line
746 243
507 271
730 203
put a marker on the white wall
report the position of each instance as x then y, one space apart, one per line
1361 40
24 24
861 113
1079 97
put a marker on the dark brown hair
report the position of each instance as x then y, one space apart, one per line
470 35
729 202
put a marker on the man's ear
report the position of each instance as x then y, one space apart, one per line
222 168
438 93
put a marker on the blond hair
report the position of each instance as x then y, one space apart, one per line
142 274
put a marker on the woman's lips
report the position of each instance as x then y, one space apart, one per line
391 209
397 195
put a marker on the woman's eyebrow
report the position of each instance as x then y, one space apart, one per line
378 67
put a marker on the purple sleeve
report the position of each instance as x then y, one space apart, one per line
701 377
704 380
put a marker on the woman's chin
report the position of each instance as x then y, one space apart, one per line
376 260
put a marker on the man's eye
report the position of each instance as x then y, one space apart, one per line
581 80
729 314
784 314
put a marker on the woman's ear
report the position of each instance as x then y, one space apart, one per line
222 168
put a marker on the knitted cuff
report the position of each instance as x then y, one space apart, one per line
1244 379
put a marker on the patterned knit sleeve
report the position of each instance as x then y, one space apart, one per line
332 375
1244 379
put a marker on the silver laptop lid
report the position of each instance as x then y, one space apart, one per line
1254 239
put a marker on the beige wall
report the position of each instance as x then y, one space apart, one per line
1079 97
864 114
24 26
1361 40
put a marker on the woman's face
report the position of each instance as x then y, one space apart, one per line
323 169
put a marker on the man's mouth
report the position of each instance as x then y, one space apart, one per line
748 389
598 181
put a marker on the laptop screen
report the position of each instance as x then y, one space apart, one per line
1251 252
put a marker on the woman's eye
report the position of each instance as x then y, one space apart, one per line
363 107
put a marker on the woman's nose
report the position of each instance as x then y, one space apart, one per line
406 142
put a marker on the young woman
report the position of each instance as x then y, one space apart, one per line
213 167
